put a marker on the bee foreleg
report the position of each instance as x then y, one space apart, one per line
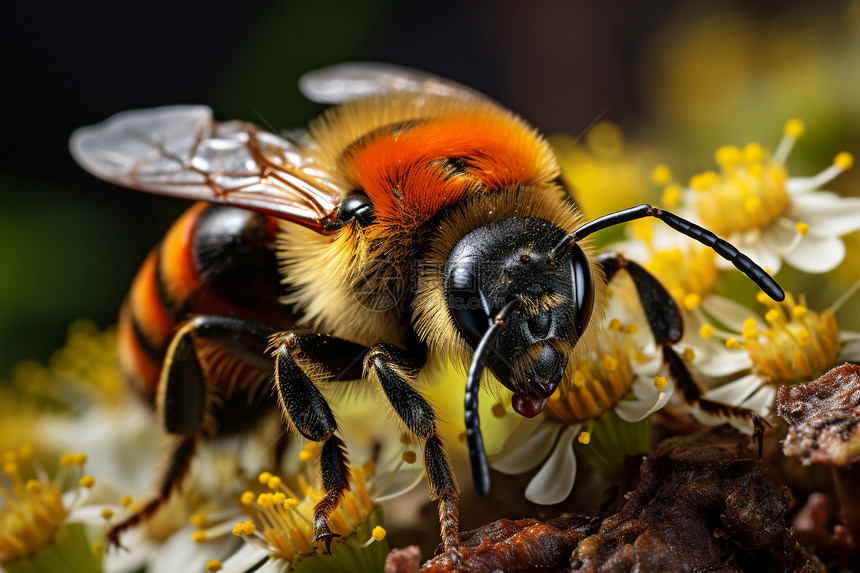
393 369
693 395
664 317
667 324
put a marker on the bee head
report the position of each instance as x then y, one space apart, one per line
536 270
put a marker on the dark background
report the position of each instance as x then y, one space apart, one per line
70 244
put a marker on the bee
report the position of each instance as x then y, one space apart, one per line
413 222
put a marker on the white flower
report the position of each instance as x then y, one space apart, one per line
790 345
769 216
619 376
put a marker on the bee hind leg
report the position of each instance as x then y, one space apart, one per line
184 398
667 325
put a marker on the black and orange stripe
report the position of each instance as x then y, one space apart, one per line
214 260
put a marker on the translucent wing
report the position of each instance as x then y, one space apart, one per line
182 152
345 82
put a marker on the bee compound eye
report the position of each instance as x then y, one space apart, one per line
356 207
583 289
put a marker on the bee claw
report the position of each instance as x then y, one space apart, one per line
323 533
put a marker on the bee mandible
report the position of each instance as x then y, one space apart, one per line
415 221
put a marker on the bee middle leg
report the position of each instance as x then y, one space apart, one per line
393 368
667 325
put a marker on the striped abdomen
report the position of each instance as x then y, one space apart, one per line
214 260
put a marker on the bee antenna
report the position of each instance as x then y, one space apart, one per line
562 248
723 248
477 456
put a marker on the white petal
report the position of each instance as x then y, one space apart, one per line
850 351
181 553
781 237
554 482
246 558
728 312
817 254
528 445
762 401
734 393
395 484
723 364
648 400
828 214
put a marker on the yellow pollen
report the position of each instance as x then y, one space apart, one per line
728 156
369 468
584 438
274 482
631 329
265 477
762 297
247 498
291 503
579 378
98 548
239 530
499 410
125 501
214 565
733 344
279 498
67 460
199 520
794 128
378 533
660 383
199 536
615 325
802 228
661 174
80 459
10 468
87 481
799 346
844 161
305 455
753 153
692 301
409 456
671 196
610 362
749 324
34 486
689 355
707 331
249 528
107 514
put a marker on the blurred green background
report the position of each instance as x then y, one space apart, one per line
679 78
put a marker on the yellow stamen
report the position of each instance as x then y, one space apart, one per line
692 301
98 548
689 355
707 331
87 481
794 128
199 520
409 457
125 501
199 536
265 477
660 383
247 497
107 514
844 161
214 565
671 196
378 533
802 228
584 438
661 175
733 344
